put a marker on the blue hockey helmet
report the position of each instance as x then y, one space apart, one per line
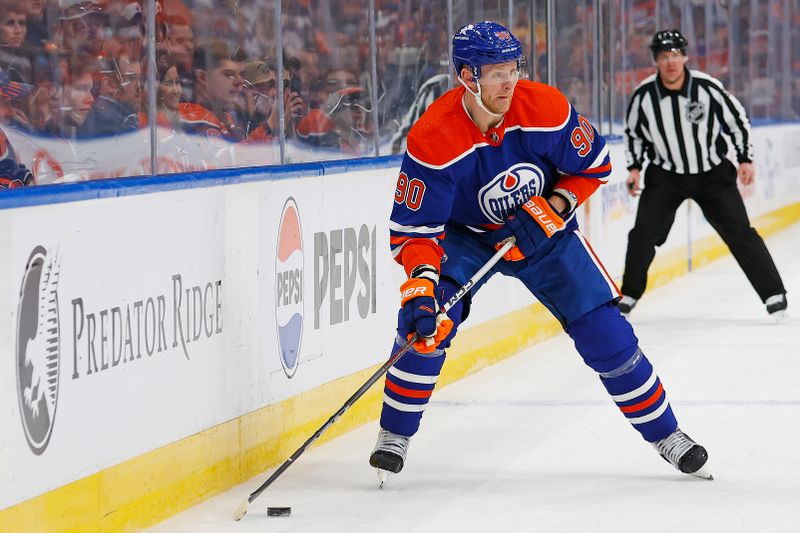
485 43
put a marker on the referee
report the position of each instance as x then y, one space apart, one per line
675 119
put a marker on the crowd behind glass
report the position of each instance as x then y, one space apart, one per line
351 77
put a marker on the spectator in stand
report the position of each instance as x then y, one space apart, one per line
76 97
116 108
350 109
168 97
175 115
262 103
13 174
13 23
47 72
343 127
83 26
36 34
13 29
333 81
128 30
219 83
179 40
11 91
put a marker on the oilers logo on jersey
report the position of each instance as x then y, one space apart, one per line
509 190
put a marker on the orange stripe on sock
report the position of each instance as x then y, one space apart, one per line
645 404
408 393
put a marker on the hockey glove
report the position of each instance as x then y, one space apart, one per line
419 314
532 225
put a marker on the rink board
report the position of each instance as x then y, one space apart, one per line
207 324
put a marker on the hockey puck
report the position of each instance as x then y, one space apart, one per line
279 511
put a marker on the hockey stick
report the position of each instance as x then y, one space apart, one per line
242 509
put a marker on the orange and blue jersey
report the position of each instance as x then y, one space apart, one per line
456 186
454 173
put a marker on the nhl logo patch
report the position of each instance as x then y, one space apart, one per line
695 112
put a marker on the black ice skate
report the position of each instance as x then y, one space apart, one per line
626 305
683 453
389 454
776 307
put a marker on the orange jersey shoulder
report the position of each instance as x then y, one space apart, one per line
444 132
537 106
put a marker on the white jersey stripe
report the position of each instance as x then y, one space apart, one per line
405 407
394 226
672 137
650 417
687 132
413 378
621 398
660 145
452 161
598 161
702 134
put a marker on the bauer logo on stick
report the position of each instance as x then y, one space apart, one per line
289 287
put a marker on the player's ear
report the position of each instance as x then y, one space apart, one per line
466 75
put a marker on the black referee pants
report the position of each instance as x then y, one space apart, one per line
716 193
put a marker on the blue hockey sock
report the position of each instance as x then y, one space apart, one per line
408 388
608 345
637 391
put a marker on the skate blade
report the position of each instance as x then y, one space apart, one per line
703 473
780 317
383 475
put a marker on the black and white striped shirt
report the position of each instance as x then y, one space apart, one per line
680 131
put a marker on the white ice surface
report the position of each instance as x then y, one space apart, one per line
535 444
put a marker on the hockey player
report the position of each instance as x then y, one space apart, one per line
495 158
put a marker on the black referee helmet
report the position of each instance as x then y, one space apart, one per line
666 40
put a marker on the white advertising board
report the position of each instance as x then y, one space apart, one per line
113 338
